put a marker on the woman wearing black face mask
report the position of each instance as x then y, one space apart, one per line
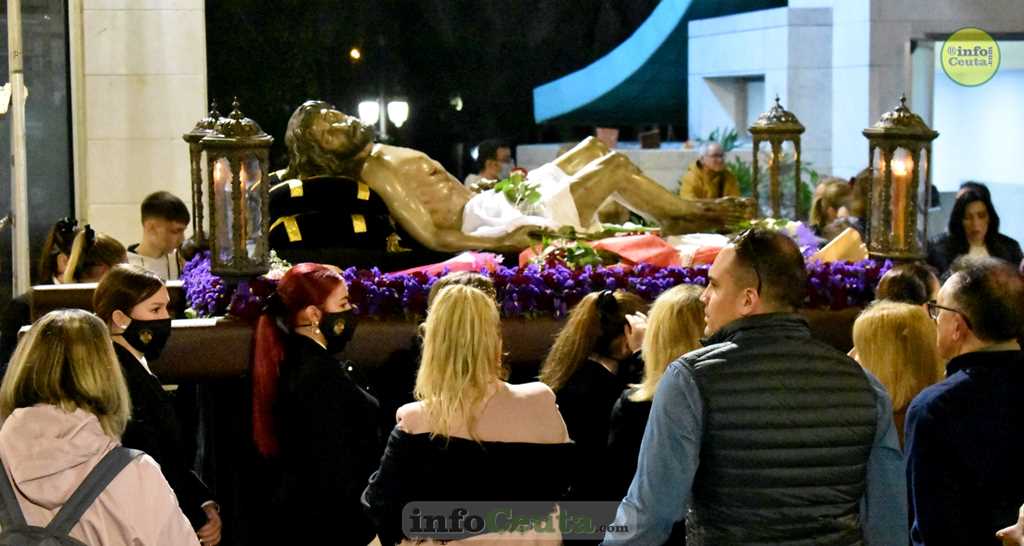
308 412
133 303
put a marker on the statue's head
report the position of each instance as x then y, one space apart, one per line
323 140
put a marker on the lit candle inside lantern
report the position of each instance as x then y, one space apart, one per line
902 168
221 175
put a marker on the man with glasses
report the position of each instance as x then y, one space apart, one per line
965 435
766 435
707 177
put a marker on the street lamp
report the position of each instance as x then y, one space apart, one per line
899 151
398 112
369 112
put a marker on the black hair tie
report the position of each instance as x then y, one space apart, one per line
90 236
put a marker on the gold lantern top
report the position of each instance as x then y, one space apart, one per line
204 126
776 121
901 124
237 131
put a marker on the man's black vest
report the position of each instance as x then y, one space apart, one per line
788 427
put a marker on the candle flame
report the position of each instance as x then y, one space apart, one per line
221 173
902 166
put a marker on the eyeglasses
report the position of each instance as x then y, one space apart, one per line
934 308
743 247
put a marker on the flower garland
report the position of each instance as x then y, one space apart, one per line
529 291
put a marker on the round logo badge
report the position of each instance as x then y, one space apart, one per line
970 57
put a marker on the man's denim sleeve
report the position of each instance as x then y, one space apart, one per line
884 506
669 454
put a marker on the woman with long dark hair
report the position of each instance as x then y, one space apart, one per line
133 302
53 259
309 411
973 230
591 362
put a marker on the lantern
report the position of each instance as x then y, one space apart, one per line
203 128
235 171
899 151
777 127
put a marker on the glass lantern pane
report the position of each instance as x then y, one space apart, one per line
787 181
878 229
223 208
901 204
765 161
252 209
204 222
924 199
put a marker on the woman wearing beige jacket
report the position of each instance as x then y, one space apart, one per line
64 405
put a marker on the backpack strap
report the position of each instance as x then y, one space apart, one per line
105 471
10 510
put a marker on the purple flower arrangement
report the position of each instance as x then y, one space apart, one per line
206 293
529 291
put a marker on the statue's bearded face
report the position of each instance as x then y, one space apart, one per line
339 134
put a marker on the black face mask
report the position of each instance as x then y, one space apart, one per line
338 329
148 336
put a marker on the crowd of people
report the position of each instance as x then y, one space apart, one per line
710 416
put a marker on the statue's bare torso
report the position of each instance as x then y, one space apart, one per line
410 177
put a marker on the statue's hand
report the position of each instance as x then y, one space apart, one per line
482 185
734 210
521 237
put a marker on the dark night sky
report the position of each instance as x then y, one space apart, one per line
274 54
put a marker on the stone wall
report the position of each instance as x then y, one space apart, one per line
138 83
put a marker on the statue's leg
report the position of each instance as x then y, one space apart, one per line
615 175
581 155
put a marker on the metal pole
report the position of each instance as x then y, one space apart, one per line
19 171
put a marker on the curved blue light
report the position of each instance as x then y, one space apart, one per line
626 74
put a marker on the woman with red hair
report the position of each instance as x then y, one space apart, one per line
309 411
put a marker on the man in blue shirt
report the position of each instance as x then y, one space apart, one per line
964 435
765 435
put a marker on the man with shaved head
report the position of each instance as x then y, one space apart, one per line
965 435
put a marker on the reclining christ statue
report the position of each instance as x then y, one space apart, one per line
433 207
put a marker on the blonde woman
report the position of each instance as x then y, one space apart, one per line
896 343
831 201
65 404
470 436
